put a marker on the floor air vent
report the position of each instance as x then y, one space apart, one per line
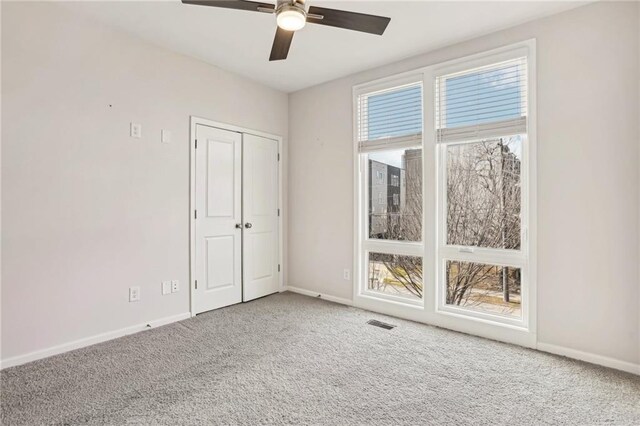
381 324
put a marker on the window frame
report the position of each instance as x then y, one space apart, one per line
363 243
490 256
428 310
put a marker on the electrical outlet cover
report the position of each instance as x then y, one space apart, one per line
175 286
134 294
136 130
346 274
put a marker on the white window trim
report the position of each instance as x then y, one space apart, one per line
426 310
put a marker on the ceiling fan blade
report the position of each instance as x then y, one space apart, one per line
281 44
232 4
371 24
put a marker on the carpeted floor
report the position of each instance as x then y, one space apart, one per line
291 359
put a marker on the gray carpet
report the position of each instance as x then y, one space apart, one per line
291 359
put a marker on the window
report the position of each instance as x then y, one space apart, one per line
389 136
395 274
481 136
390 113
483 193
484 288
397 215
445 196
487 95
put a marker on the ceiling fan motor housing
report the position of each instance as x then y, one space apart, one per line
289 2
286 6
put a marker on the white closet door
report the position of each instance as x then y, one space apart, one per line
218 232
260 215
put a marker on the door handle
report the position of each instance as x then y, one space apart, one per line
248 225
238 226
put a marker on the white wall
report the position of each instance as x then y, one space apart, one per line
89 211
588 180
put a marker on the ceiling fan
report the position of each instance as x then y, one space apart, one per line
292 15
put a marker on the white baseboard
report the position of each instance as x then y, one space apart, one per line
605 361
88 341
328 297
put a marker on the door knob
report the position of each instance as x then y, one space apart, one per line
238 226
248 225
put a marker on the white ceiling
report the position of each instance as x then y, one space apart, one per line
240 41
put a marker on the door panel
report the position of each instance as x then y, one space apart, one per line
261 253
220 178
260 201
220 259
218 245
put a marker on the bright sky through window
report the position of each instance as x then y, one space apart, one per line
395 113
484 96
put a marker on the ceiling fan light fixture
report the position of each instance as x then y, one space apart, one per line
291 18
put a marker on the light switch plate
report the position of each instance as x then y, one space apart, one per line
166 287
175 286
136 130
165 136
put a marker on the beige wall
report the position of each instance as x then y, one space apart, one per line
87 210
588 181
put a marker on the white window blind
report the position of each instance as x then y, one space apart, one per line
390 118
482 103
